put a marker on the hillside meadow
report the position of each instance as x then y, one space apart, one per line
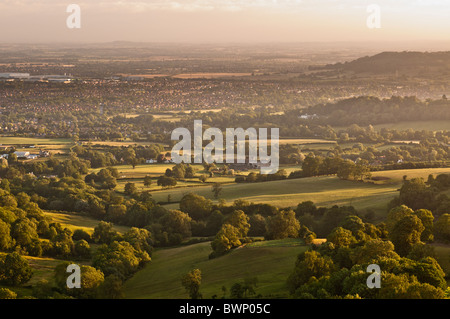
271 262
74 221
323 191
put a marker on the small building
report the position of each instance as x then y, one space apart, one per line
15 75
22 154
44 153
150 161
59 80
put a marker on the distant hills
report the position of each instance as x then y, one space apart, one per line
409 63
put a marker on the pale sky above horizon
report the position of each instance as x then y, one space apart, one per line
36 21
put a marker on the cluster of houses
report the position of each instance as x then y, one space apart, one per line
27 155
154 161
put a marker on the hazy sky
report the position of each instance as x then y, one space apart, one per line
223 20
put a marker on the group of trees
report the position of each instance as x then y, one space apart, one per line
416 193
106 178
365 110
236 226
316 165
116 259
337 269
420 225
253 177
176 173
24 228
73 167
318 274
345 169
14 269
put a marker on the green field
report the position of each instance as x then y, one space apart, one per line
43 268
56 146
396 176
270 262
73 221
323 191
140 171
443 257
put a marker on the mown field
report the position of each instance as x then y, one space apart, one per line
271 262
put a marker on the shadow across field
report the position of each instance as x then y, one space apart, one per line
270 263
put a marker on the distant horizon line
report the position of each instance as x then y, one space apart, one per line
415 42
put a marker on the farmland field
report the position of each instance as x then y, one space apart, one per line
270 263
43 268
396 176
17 140
323 190
443 257
73 222
140 171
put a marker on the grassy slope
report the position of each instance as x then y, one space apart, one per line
324 190
86 223
271 263
443 256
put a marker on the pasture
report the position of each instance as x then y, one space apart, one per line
270 262
55 146
73 222
324 191
18 140
443 257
